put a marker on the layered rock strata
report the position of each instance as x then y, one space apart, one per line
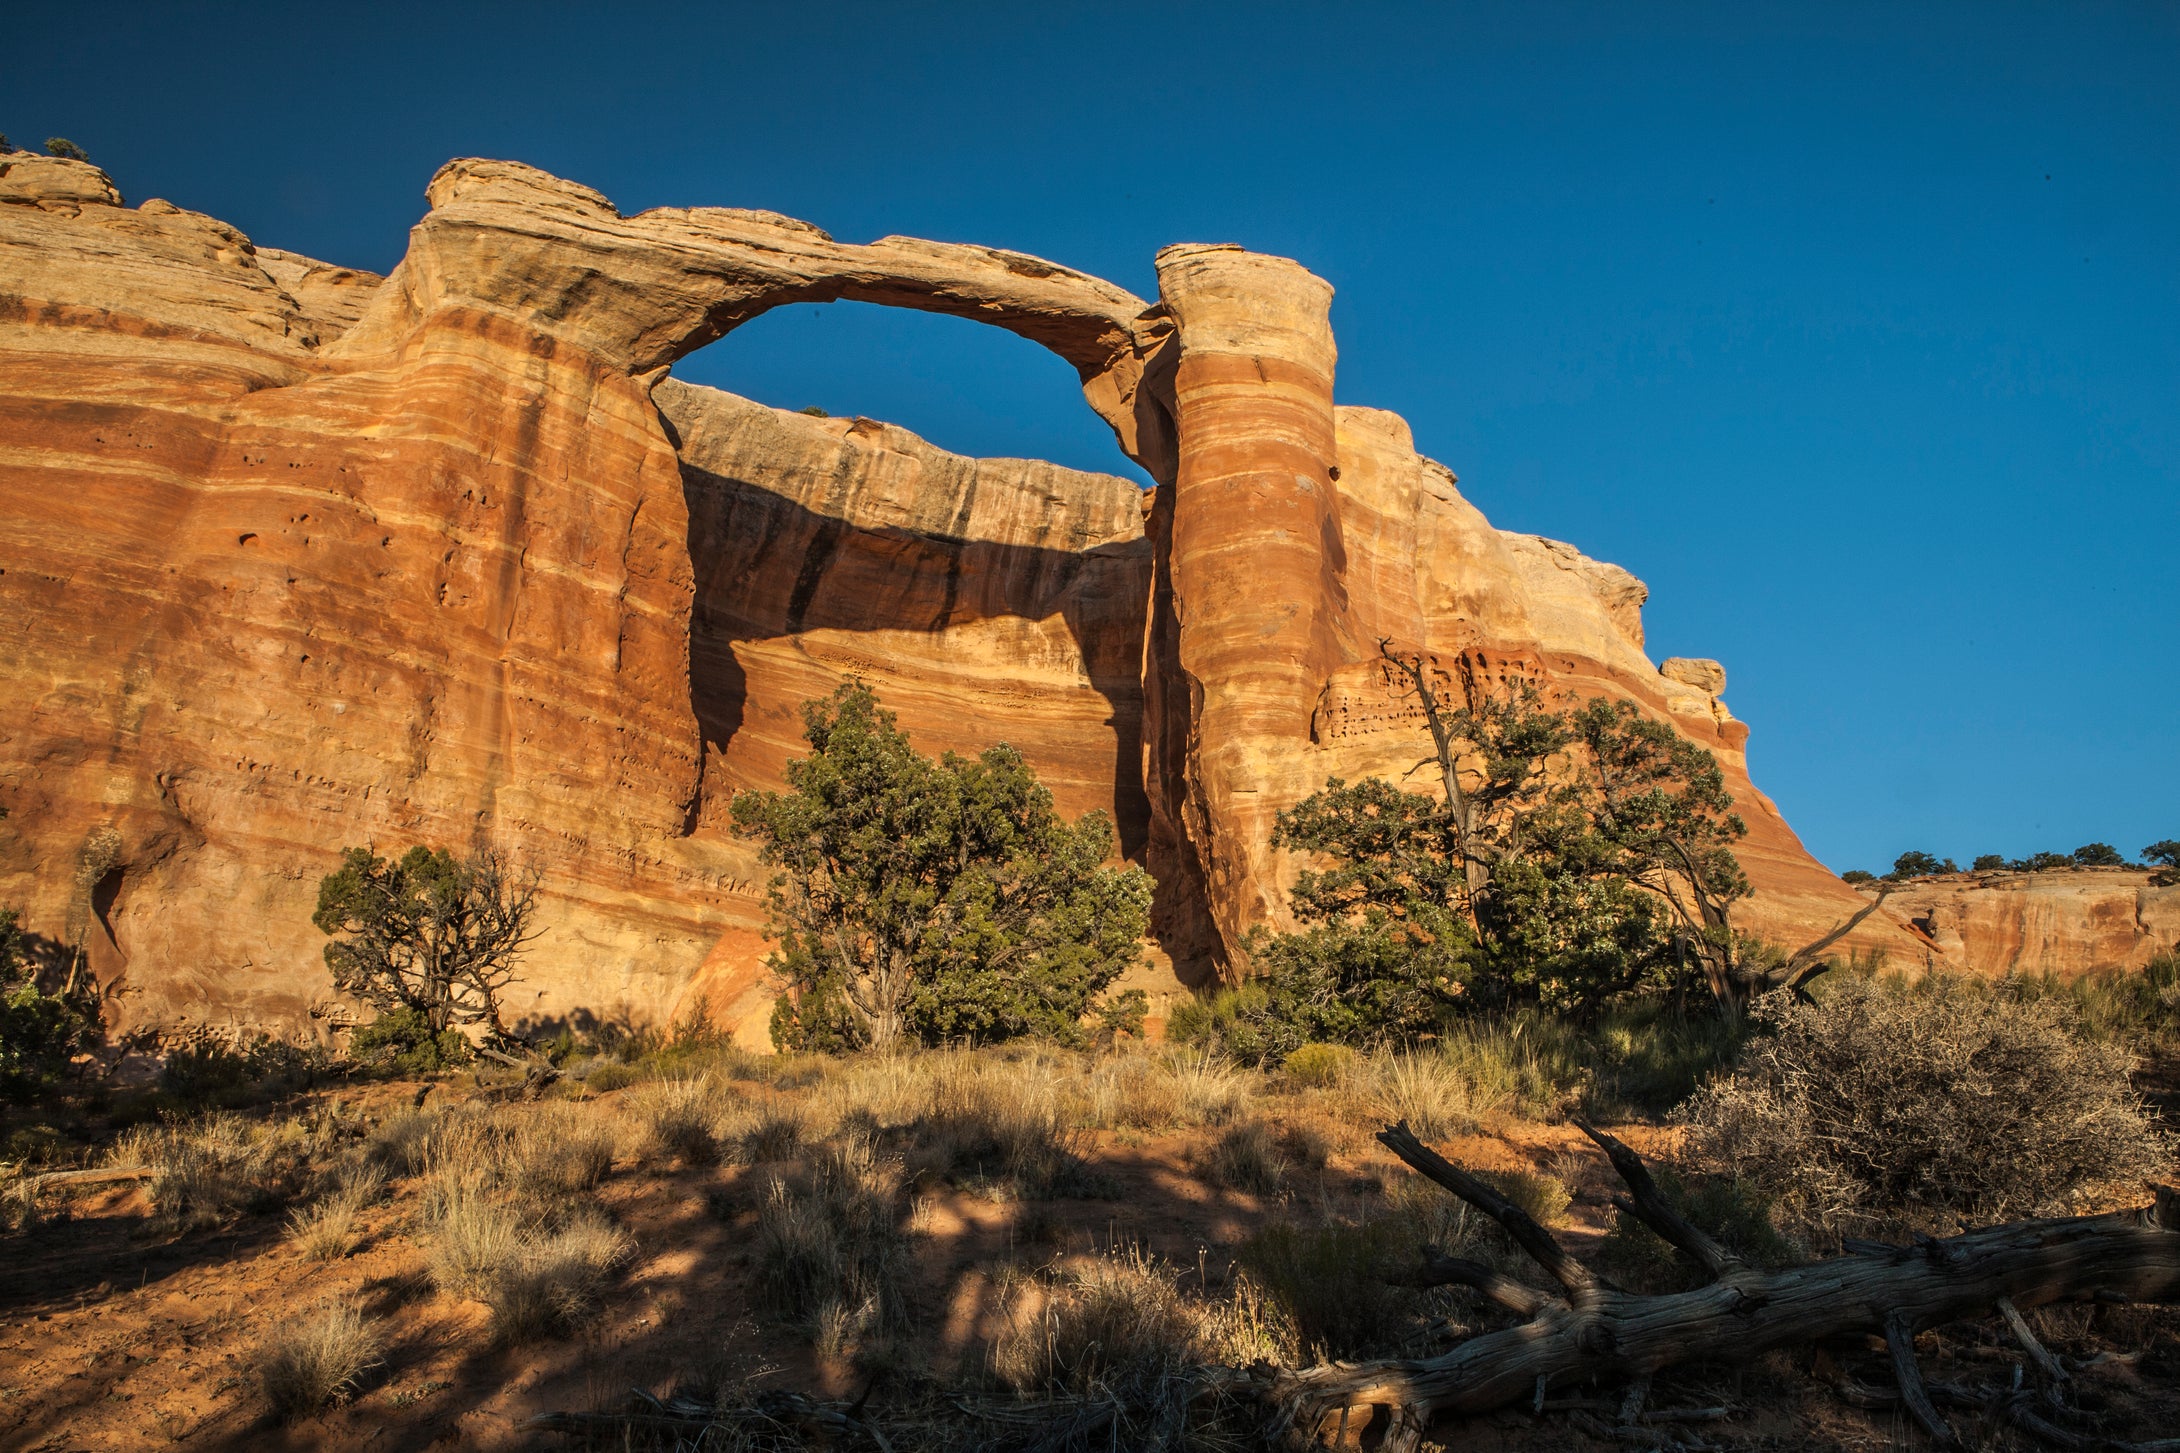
295 557
2061 921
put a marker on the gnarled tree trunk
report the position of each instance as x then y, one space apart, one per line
1589 1329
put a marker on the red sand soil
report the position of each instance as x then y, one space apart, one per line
114 1338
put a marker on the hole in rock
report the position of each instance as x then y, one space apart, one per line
1003 607
967 387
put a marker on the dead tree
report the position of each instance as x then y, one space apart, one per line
1585 1328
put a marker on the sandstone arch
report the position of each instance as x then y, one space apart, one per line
299 557
643 291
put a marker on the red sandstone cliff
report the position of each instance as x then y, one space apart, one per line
296 557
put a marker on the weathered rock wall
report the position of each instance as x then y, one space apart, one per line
2057 922
295 557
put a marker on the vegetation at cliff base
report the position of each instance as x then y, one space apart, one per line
429 937
934 901
1573 855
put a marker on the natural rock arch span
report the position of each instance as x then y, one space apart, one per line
646 290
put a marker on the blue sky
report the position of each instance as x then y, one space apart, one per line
1852 329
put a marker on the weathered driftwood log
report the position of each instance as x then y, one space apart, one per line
1590 1329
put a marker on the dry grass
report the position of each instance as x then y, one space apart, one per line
831 1248
777 1133
1261 1158
550 1282
315 1359
208 1172
330 1227
681 1119
1121 1323
1887 1108
561 1150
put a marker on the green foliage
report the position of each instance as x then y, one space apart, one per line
1318 1066
429 933
2139 1008
402 1039
1919 865
2164 854
1120 1017
1894 1106
942 901
1858 875
813 411
61 146
2041 862
1987 863
1573 856
2097 855
40 1033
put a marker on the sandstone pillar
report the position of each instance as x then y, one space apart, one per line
1255 560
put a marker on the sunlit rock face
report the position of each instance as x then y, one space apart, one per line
294 557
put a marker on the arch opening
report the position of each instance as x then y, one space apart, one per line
988 596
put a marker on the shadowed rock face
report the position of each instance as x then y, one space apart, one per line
296 557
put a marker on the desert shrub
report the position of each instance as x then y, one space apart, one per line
1988 863
210 1171
678 1120
936 901
209 1069
40 1033
401 1039
1889 1107
1858 875
428 932
312 1360
1259 1158
61 146
831 1248
2097 855
551 1282
329 1228
1120 1327
1318 1066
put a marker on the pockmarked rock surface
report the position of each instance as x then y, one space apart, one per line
294 557
2060 921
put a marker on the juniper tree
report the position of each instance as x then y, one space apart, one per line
1567 856
428 933
932 900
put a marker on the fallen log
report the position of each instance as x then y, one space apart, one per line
100 1176
1589 1329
